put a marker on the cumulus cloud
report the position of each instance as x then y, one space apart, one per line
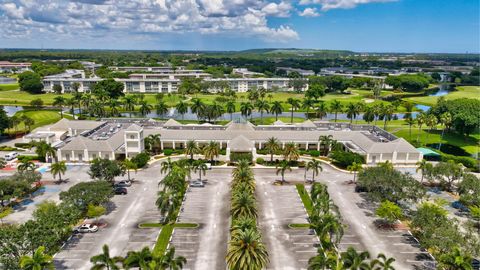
309 12
334 4
96 18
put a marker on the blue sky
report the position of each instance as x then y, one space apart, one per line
357 25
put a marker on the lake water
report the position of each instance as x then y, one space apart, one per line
7 80
443 90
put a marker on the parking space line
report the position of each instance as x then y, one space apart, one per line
350 243
306 251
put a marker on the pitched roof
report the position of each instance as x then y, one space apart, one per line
134 127
278 123
172 123
241 144
307 123
247 126
65 124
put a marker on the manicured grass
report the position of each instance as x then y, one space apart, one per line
24 98
9 87
41 118
299 225
150 225
186 225
271 120
462 92
163 238
307 202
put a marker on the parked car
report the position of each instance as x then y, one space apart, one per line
197 184
125 183
11 156
209 166
120 191
86 228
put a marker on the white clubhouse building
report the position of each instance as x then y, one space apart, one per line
83 141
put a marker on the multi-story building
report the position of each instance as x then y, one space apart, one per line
12 67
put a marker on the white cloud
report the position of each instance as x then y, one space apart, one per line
309 12
126 18
334 4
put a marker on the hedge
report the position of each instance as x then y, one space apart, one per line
343 159
141 159
468 162
241 156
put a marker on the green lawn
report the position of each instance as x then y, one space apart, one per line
462 92
307 202
163 238
8 87
270 120
23 98
41 118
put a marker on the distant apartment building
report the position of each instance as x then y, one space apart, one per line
12 67
302 72
245 72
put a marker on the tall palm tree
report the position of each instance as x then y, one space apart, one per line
200 167
191 148
85 101
246 251
382 263
272 146
446 121
336 107
432 121
369 114
282 167
307 104
167 166
294 104
58 168
421 119
182 108
262 106
59 101
354 167
352 111
410 122
355 260
38 261
423 166
139 259
129 104
211 150
215 111
113 104
230 108
104 261
243 205
128 165
325 143
291 152
316 168
145 108
97 108
321 110
330 228
197 106
153 142
170 261
276 109
387 114
246 109
72 102
26 166
161 108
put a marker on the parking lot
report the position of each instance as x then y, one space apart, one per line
205 247
121 233
280 206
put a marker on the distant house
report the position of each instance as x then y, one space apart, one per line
12 67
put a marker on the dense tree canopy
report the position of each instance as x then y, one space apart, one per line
408 82
105 169
83 194
30 82
113 88
464 112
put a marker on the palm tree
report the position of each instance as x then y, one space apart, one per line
139 259
182 108
369 114
28 122
169 261
387 114
59 101
128 165
197 106
455 260
307 104
246 109
58 168
291 152
211 151
446 121
161 108
294 104
321 110
167 166
201 167
230 108
97 108
85 100
315 166
277 109
38 261
113 104
145 108
382 263
432 121
421 119
104 261
325 143
246 251
272 146
72 102
352 111
191 148
336 107
354 260
262 105
355 167
215 111
243 205
26 166
410 122
423 166
129 104
329 228
282 167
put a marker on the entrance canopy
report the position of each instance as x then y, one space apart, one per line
428 152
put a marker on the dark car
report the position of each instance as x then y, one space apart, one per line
120 191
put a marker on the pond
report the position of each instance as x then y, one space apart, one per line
11 110
7 80
442 90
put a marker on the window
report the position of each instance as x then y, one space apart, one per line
80 157
132 137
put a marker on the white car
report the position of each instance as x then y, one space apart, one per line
11 156
87 228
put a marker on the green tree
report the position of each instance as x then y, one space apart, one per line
294 104
355 167
104 261
382 263
336 107
191 148
307 104
200 167
129 104
85 193
128 165
139 259
290 152
230 108
161 108
36 103
170 261
246 109
112 88
272 146
145 108
38 261
315 166
26 166
262 106
389 211
211 151
276 109
105 169
246 251
59 101
282 167
455 260
30 82
57 169
469 190
94 211
355 260
321 110
182 108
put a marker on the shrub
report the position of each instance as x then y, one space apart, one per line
9 148
141 159
344 159
24 145
314 153
240 156
260 160
24 159
223 151
468 162
167 152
